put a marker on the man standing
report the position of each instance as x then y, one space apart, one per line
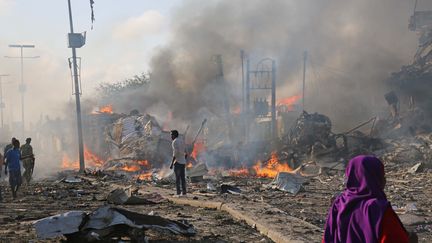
12 163
28 160
179 162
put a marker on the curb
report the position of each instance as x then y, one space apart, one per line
259 223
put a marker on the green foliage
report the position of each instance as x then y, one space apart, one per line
112 89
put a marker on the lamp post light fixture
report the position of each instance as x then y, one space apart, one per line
22 87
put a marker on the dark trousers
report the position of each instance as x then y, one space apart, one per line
28 165
15 181
179 171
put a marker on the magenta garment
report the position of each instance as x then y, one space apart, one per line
356 214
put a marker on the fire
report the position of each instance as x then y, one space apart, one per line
145 176
67 163
272 168
289 102
130 168
91 160
106 109
198 148
143 163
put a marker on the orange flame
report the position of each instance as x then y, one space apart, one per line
67 163
272 168
90 159
145 176
143 163
106 109
198 148
130 168
289 102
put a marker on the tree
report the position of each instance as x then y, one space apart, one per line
107 90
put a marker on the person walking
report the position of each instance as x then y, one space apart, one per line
12 165
28 160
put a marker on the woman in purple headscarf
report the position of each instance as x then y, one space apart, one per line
362 213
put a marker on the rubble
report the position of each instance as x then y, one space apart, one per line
137 138
288 182
52 197
121 196
230 189
105 223
416 168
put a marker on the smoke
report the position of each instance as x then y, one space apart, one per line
5 5
352 46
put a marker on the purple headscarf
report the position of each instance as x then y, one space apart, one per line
356 214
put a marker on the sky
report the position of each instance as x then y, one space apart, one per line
124 36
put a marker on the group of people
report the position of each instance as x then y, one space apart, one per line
361 213
13 156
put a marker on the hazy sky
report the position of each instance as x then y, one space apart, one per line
124 36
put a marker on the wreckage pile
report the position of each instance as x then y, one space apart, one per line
138 138
412 82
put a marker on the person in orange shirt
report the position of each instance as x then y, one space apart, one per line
362 213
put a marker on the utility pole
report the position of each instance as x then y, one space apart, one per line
273 102
304 78
242 56
22 88
77 91
2 105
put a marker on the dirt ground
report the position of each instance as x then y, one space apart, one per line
45 198
409 194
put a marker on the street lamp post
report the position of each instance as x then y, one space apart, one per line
22 88
2 106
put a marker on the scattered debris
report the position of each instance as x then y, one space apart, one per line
416 168
230 189
288 182
72 179
121 196
211 187
197 172
60 224
107 222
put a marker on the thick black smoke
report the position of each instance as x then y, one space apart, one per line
352 45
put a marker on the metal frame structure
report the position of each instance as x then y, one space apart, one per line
262 70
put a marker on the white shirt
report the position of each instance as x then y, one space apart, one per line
178 147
